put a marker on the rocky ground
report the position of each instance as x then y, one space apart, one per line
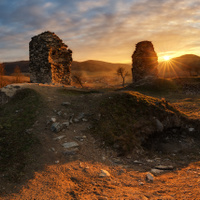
73 164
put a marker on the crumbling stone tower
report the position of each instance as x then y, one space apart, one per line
50 59
144 61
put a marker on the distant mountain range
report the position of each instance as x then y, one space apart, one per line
88 66
185 65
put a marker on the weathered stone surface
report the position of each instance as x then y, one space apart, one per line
59 137
50 59
68 145
159 125
81 138
71 151
56 127
53 119
66 124
164 167
104 173
66 103
157 171
149 177
144 61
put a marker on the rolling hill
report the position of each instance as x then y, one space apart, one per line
89 66
185 65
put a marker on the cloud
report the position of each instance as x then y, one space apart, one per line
85 6
104 30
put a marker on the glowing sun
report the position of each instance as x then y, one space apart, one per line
166 58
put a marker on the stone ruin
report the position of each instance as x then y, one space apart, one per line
144 62
50 59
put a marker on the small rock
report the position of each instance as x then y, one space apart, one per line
86 169
150 161
117 160
71 152
66 124
59 113
59 137
137 162
103 158
80 116
57 161
159 125
53 119
71 119
81 138
163 167
29 131
66 103
191 129
104 173
149 177
141 183
84 120
68 145
128 156
81 165
156 171
76 120
56 127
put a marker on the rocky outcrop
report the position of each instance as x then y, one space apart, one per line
144 61
50 59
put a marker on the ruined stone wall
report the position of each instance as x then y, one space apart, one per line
50 59
144 61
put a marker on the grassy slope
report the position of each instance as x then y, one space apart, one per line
127 118
15 118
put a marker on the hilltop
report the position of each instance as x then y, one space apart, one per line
71 134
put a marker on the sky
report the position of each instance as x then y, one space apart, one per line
106 30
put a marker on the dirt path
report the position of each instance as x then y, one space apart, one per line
74 173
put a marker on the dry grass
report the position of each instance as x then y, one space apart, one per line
102 80
6 80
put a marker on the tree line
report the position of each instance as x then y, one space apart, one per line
17 74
